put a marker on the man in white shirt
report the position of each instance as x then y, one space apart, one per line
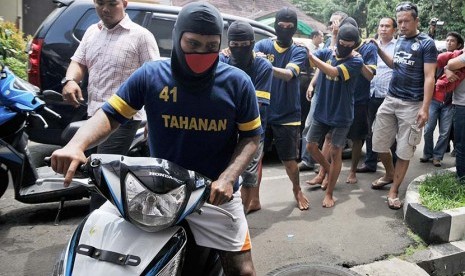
379 86
110 51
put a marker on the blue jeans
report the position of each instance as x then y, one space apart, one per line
459 137
305 155
438 112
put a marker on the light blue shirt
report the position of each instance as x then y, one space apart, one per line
380 83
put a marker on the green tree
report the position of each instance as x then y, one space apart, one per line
13 49
451 12
368 12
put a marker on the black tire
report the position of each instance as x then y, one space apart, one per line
4 179
309 269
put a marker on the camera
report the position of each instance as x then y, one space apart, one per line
436 22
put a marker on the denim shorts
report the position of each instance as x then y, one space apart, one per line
250 175
319 130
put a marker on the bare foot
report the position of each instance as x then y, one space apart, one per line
302 200
324 185
318 179
328 201
351 178
253 206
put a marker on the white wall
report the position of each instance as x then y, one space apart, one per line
10 10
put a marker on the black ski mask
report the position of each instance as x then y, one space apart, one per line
284 35
348 33
241 57
195 70
351 21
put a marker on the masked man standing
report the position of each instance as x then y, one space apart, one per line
284 112
241 40
334 110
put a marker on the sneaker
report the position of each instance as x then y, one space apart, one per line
304 167
437 163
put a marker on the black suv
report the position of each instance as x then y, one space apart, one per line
59 35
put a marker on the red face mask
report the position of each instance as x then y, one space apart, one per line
200 63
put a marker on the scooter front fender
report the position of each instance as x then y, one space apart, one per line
105 231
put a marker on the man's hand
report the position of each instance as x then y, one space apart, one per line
450 75
221 192
335 27
422 117
260 54
66 161
226 52
309 94
72 93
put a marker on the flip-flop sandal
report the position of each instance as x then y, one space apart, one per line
380 183
394 203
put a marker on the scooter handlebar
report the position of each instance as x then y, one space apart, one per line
82 169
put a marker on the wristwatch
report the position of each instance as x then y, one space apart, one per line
65 80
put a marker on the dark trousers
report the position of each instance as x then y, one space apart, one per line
371 157
459 138
119 142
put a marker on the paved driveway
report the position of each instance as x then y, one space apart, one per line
358 230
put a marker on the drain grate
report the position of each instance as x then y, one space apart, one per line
309 269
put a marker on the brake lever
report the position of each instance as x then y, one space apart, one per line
52 112
218 209
41 118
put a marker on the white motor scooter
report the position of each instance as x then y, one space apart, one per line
140 230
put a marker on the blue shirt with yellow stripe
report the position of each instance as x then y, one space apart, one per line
196 130
369 53
284 106
261 73
335 104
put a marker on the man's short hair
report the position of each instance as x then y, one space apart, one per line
342 14
408 6
458 37
394 22
315 33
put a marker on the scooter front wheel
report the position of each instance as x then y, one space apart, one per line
4 179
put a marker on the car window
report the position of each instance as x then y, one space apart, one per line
90 17
162 28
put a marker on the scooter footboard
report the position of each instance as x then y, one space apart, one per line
51 190
106 244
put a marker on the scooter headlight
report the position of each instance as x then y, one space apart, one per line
152 210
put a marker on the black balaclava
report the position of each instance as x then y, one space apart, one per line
195 70
351 21
284 36
241 57
346 32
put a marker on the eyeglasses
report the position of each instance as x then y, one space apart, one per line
406 7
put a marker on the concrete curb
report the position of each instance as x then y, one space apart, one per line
442 259
432 227
394 267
